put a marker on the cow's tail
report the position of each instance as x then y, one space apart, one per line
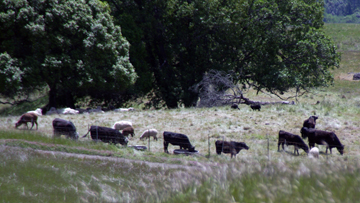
86 133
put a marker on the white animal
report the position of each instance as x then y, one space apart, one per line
65 111
149 133
120 125
124 109
314 152
38 111
70 111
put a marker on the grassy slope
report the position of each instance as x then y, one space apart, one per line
28 175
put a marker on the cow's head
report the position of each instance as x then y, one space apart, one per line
341 149
305 148
314 117
304 131
75 136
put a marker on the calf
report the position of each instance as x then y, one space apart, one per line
314 152
310 122
322 138
230 147
255 107
235 106
292 139
64 127
177 139
108 135
149 133
27 117
128 131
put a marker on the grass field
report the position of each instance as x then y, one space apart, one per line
35 167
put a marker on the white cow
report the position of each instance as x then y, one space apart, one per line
120 125
149 133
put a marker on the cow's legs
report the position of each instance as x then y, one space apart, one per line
32 122
166 144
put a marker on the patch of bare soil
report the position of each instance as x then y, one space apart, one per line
346 76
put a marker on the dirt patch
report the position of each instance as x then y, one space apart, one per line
346 76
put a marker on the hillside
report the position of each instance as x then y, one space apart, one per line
342 11
36 167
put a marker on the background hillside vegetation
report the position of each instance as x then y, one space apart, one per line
36 167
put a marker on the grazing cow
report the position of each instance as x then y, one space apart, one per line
149 133
322 138
108 135
310 122
27 117
128 131
292 139
177 139
120 125
235 106
64 127
230 147
255 107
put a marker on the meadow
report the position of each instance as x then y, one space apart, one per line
35 167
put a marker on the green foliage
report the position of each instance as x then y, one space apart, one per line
22 107
271 45
71 46
342 11
342 7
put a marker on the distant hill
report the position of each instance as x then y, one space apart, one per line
342 11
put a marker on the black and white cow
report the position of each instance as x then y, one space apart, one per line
177 139
232 147
108 135
64 127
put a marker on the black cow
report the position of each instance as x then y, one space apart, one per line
310 122
177 139
292 139
321 137
255 107
229 147
108 135
235 106
64 127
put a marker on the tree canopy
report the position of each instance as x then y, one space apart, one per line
271 45
77 48
72 46
342 11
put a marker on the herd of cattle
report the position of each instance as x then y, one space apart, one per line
121 130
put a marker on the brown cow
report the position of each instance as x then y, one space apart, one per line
27 117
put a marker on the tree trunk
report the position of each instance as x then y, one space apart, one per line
52 97
59 99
